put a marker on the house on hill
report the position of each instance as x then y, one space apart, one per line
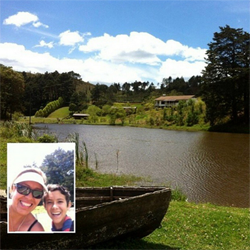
170 101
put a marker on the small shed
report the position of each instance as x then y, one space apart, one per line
170 101
80 116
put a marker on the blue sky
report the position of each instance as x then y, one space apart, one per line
115 41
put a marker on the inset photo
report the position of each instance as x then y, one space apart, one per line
41 187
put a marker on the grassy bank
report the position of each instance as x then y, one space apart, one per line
195 226
105 121
145 116
52 119
185 226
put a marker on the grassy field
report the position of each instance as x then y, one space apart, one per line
195 226
60 113
185 226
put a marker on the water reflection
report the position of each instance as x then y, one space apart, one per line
224 168
208 167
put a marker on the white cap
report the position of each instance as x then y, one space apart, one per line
31 176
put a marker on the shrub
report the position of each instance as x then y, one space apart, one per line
192 118
72 107
47 138
16 116
49 108
39 113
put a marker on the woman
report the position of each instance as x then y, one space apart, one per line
26 192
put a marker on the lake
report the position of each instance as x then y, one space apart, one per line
206 166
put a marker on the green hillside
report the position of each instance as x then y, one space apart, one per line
60 113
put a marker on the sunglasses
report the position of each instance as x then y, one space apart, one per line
24 190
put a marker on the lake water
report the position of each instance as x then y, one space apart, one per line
206 166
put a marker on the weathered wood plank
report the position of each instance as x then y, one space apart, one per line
134 216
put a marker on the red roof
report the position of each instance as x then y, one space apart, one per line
174 98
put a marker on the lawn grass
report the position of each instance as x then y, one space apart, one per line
204 226
195 226
90 178
60 113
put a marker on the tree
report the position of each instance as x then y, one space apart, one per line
94 112
59 168
194 85
33 95
67 85
126 88
244 77
78 101
136 86
226 76
117 113
12 90
179 85
167 81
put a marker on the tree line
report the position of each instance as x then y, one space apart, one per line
30 93
223 85
141 91
27 92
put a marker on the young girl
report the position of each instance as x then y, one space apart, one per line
57 203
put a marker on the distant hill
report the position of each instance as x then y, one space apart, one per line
84 87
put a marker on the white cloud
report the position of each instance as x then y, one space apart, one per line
136 48
38 24
23 18
20 59
25 60
175 69
44 44
139 47
69 38
96 69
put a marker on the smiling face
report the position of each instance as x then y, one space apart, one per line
24 204
57 208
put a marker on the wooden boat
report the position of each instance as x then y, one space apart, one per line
102 214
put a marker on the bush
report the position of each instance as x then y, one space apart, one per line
47 138
16 116
39 113
72 107
192 119
106 110
49 108
16 130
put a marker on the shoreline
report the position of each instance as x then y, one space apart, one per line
242 129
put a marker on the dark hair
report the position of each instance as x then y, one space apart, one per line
61 189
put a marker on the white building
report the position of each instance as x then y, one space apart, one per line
170 101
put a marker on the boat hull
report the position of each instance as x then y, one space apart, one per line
127 212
